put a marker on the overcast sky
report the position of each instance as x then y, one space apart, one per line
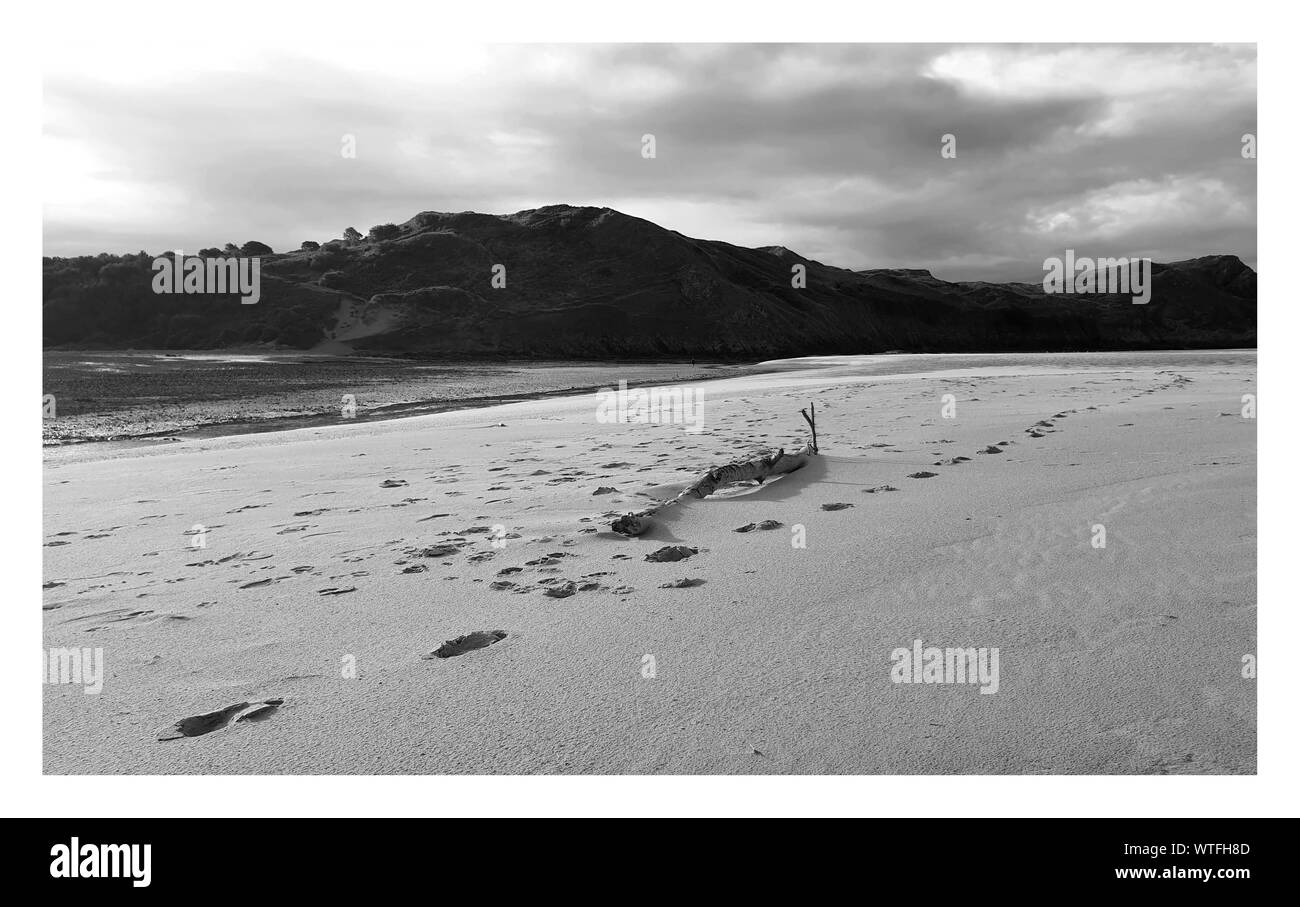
832 151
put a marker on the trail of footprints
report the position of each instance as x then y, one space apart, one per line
477 545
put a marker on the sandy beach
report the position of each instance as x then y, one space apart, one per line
307 576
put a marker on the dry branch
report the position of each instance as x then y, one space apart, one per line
756 469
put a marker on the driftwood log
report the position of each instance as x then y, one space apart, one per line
758 468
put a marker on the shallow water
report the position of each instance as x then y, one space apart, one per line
152 397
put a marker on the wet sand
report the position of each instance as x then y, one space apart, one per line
142 398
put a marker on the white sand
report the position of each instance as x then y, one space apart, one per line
1125 659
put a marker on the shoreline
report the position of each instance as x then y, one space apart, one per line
405 409
400 390
387 413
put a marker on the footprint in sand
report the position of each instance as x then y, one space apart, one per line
438 551
479 639
838 505
670 553
685 583
750 527
879 489
198 725
922 475
392 483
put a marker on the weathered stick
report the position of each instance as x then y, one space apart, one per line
812 423
758 468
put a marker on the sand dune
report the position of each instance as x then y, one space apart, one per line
277 603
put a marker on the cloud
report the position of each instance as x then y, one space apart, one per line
829 150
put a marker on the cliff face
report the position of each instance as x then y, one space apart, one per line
594 283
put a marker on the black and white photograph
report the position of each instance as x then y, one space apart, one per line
656 408
696 407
